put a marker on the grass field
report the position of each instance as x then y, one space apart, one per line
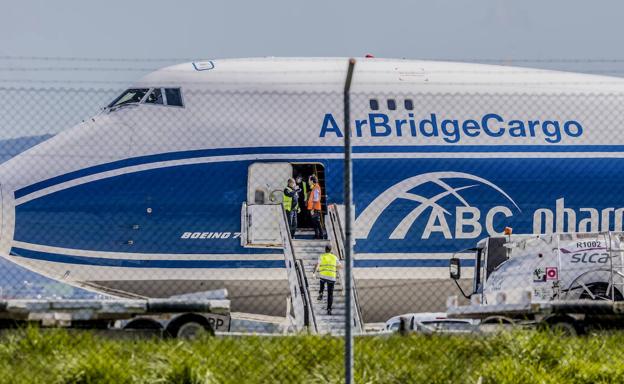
32 356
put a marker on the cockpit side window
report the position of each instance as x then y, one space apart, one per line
155 97
174 97
133 95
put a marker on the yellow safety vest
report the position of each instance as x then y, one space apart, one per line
287 201
327 267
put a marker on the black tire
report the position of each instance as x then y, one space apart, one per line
190 330
189 326
564 327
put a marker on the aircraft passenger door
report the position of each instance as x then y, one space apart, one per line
266 182
265 186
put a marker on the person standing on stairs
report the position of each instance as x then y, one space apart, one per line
314 206
303 187
291 205
327 267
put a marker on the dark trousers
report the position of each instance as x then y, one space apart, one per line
330 291
292 222
316 223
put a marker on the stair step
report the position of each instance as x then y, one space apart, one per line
332 323
313 242
335 316
308 252
337 300
330 326
336 306
322 316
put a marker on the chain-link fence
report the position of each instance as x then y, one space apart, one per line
211 196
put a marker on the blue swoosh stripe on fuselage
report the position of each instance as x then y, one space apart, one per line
219 264
181 155
144 263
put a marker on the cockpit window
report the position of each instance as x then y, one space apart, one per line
155 97
130 96
173 97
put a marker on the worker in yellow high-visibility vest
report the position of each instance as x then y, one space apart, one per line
327 267
291 205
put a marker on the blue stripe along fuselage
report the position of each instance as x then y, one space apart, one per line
215 264
180 155
102 215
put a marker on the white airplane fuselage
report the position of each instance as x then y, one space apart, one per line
145 198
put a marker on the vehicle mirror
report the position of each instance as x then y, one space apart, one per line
455 269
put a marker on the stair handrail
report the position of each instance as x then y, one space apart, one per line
302 301
338 240
311 316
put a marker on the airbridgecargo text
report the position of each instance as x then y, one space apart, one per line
454 130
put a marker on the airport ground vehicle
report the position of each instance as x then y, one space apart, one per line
431 323
569 280
174 317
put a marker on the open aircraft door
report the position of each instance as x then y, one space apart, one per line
262 212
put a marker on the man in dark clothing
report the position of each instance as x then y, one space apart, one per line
327 267
314 206
303 187
291 205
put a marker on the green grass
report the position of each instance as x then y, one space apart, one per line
31 356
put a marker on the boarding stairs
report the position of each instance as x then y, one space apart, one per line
301 256
266 226
308 252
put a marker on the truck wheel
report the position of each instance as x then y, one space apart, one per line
564 328
189 326
190 330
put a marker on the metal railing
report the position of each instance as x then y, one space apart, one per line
336 235
297 282
309 316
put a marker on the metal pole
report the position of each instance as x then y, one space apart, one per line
348 196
